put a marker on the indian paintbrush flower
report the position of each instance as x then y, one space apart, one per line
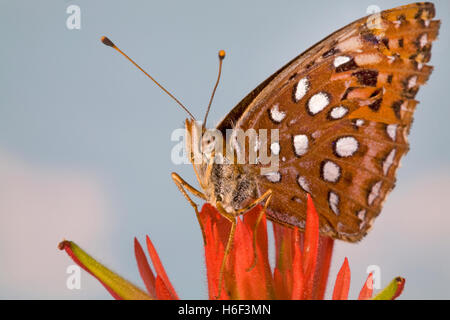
302 263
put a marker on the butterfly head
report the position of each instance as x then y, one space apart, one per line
227 185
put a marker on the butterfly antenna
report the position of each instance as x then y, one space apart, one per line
109 43
221 57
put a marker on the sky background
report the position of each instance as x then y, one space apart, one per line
85 138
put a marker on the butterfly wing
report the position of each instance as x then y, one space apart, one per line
343 110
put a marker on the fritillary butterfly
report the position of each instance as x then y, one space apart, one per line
343 110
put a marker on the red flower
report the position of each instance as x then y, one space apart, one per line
300 272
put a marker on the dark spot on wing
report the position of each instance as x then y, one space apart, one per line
396 106
375 106
330 52
367 77
349 65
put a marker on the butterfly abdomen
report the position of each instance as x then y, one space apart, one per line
232 186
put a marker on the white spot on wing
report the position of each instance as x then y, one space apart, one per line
423 40
275 148
362 216
300 144
350 44
340 61
367 58
333 200
318 102
277 115
359 122
392 131
273 176
301 89
303 183
338 112
374 193
412 82
346 146
388 161
331 171
404 106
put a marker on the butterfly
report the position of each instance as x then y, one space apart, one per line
343 110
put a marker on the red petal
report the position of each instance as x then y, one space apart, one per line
214 248
144 268
310 246
209 212
288 284
325 253
159 268
284 241
255 283
211 265
215 256
261 234
161 290
297 266
283 246
342 285
261 269
367 289
243 254
279 285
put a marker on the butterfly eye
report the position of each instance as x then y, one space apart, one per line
219 198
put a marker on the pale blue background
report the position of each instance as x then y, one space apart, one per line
69 103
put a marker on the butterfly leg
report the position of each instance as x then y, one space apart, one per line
183 185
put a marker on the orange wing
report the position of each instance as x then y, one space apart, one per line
343 110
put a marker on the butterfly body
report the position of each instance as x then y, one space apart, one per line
227 185
234 187
343 110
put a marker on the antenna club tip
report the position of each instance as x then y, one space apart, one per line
221 54
107 42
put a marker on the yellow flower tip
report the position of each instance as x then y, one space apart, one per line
119 287
393 289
